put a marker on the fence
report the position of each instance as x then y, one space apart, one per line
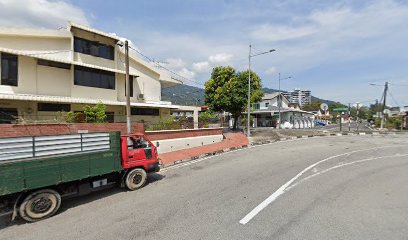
38 146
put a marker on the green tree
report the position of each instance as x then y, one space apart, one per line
314 106
336 105
95 114
363 112
227 90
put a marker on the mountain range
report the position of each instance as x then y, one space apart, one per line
194 96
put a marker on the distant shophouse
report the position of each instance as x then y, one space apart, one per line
46 72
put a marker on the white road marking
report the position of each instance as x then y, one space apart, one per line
283 188
343 165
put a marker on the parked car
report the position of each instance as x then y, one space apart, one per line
320 123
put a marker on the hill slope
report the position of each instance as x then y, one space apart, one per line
194 96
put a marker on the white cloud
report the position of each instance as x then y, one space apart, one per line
267 32
40 13
187 73
271 71
220 58
176 63
201 67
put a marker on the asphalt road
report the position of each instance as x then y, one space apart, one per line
362 127
349 187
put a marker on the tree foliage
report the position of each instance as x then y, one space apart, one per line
314 106
95 113
227 90
90 114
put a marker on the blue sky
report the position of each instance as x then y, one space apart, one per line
333 48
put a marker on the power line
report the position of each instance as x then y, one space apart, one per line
395 101
143 55
165 68
397 84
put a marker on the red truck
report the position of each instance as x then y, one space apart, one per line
37 172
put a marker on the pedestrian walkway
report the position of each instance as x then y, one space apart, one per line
232 140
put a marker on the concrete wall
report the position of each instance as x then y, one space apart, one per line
183 133
175 144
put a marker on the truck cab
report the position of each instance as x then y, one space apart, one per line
138 151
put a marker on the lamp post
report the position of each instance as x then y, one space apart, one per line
280 99
250 55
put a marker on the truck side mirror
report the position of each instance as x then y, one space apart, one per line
157 144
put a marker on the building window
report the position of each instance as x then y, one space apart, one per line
110 117
145 111
9 69
266 104
53 64
8 115
94 48
131 85
257 106
53 107
90 77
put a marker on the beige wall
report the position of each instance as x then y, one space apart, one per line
50 81
38 44
53 81
147 83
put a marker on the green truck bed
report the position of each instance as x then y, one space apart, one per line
33 172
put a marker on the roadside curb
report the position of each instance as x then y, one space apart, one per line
266 142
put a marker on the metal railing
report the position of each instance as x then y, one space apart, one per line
12 148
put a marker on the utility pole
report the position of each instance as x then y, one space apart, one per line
279 102
128 123
249 85
349 116
383 107
249 93
358 121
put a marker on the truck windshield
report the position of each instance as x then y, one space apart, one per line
138 142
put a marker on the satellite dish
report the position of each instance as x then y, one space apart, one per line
324 106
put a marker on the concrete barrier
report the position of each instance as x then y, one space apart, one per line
169 145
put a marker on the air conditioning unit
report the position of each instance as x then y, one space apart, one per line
141 96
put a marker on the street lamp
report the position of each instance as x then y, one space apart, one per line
249 84
280 99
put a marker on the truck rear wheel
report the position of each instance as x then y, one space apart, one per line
40 205
135 178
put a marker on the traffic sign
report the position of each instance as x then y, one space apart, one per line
340 110
324 106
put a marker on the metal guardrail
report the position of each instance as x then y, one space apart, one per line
38 146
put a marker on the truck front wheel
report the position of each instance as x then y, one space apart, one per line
135 179
40 205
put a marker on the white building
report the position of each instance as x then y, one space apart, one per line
301 97
266 113
44 72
